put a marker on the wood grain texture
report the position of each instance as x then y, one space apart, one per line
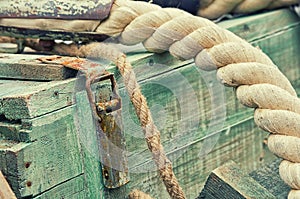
73 188
89 148
5 190
180 100
65 9
27 67
268 177
259 26
229 181
167 113
47 155
28 99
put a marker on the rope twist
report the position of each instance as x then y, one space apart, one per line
259 83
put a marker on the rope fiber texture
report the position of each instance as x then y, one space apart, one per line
259 83
213 9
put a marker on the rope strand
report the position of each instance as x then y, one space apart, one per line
259 82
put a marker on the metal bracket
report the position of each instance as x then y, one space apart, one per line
107 118
112 144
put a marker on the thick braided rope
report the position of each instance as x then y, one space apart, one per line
259 82
152 134
213 9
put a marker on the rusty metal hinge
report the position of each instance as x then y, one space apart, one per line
112 145
107 117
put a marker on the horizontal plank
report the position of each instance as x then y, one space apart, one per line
51 155
242 143
20 66
171 91
58 9
254 27
73 188
28 99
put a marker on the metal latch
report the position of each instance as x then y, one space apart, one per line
107 117
112 145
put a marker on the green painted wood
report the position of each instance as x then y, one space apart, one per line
73 188
28 99
20 66
89 148
181 106
50 156
242 142
283 50
229 181
268 177
254 27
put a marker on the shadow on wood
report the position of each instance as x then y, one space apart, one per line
228 181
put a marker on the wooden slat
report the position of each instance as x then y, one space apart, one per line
239 139
280 47
229 181
26 99
74 188
258 26
50 156
63 9
243 143
20 66
5 190
268 177
89 148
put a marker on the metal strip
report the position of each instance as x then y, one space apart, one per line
50 35
107 117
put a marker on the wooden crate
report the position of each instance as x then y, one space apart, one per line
47 147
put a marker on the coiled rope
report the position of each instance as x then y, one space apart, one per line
259 82
213 9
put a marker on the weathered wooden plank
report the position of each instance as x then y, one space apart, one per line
242 142
91 160
89 148
73 188
5 191
280 47
229 181
268 177
63 9
20 66
25 99
262 25
51 155
283 50
9 131
165 89
56 33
